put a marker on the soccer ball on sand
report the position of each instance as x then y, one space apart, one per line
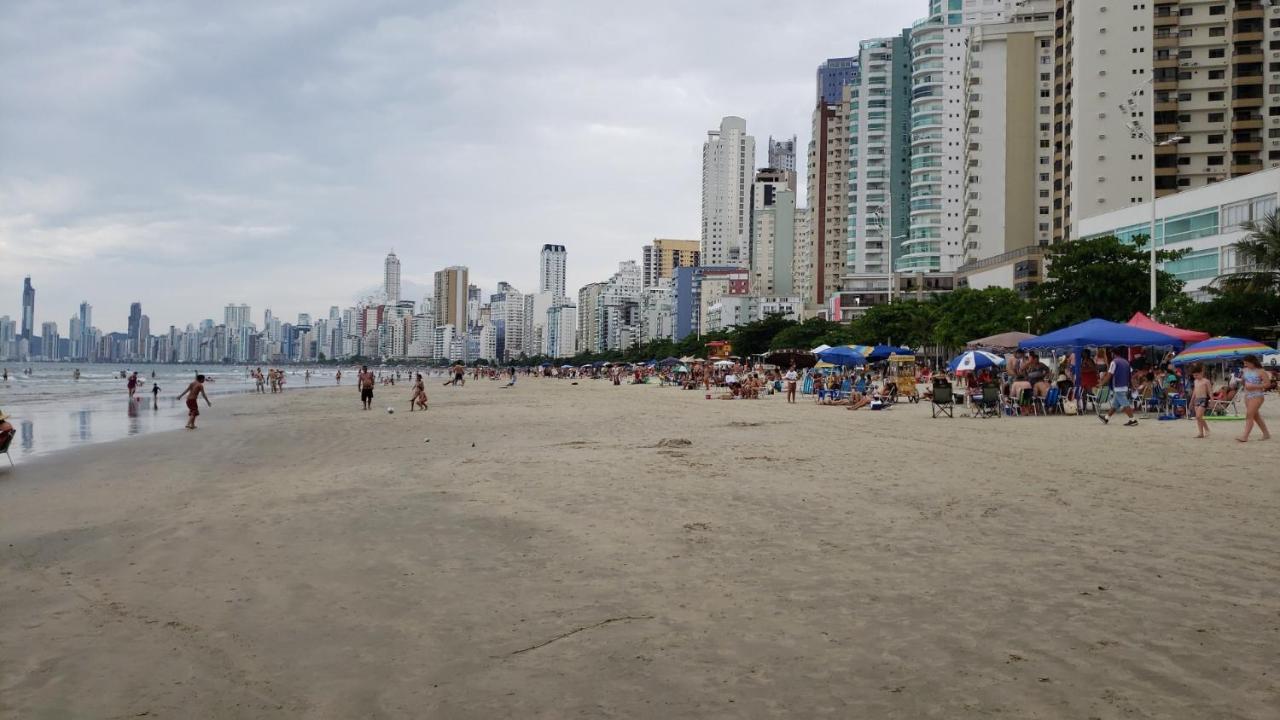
390 411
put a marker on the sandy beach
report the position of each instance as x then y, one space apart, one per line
590 551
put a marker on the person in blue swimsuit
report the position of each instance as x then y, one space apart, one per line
1256 384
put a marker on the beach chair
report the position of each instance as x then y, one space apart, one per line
1225 405
942 400
1051 403
5 442
989 403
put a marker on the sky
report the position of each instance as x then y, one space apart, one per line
188 155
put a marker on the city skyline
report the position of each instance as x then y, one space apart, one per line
208 200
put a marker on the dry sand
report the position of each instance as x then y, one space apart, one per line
297 557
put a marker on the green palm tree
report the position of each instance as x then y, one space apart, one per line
1257 257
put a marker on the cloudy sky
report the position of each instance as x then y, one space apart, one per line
191 154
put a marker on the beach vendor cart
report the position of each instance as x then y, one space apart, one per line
902 368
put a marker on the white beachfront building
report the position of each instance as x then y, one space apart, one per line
1204 221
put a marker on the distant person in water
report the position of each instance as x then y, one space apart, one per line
155 396
365 382
194 390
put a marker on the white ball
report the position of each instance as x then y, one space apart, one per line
390 411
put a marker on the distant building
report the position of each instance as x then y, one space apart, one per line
28 308
662 257
451 297
391 278
551 271
782 156
728 164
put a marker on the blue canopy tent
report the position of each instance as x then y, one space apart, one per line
1098 333
842 357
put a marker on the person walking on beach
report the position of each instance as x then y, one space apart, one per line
194 390
1256 384
155 396
337 378
1200 392
1118 373
365 381
791 378
419 395
133 386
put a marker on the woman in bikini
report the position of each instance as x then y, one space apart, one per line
1256 382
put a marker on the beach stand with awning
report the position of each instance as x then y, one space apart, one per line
1140 320
1004 341
1221 349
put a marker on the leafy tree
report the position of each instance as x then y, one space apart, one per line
1258 255
1235 312
806 335
1100 278
907 322
967 314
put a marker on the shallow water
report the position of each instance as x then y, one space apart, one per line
53 411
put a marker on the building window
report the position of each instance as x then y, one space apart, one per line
1217 52
1219 31
1216 96
1215 139
1215 159
1216 117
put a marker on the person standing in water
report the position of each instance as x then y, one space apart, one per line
194 391
132 384
155 396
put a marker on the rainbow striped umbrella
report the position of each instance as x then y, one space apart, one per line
1221 348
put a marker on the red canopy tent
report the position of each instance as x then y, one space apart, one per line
1140 320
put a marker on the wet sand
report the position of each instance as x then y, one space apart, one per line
560 551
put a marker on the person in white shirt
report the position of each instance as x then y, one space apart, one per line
791 377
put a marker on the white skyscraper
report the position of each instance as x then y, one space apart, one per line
728 167
551 276
391 278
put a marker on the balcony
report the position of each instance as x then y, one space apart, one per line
1164 41
1243 168
1171 62
1249 36
1247 55
1166 149
1165 20
1165 84
1252 77
1246 145
1247 124
1248 12
1163 128
1248 102
1164 171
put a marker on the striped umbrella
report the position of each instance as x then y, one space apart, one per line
1221 348
974 360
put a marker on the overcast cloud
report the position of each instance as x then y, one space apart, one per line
187 155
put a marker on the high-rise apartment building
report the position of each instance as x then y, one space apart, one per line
28 308
728 163
828 202
771 256
660 259
235 317
588 317
1007 187
879 173
49 341
833 75
551 270
451 297
782 156
86 332
391 278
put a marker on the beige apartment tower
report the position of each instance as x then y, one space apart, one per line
451 297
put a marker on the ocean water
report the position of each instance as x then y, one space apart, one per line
53 411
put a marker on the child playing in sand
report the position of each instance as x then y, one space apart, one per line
194 391
419 395
1200 392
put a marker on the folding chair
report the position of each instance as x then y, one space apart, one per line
4 448
1051 403
943 401
988 405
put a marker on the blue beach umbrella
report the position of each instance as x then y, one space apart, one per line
882 352
974 360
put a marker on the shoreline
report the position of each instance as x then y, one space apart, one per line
558 551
